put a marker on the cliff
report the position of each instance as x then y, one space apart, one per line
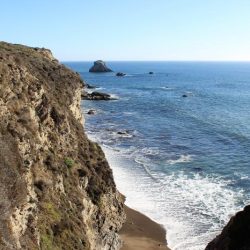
235 235
56 187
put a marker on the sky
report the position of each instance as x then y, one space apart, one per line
155 30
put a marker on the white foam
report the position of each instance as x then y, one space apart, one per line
181 159
114 97
166 88
129 113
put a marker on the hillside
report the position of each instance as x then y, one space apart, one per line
56 187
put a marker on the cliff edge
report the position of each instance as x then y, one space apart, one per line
56 187
235 235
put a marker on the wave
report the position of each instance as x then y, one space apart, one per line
129 113
193 208
146 168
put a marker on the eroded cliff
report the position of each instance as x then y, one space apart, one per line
56 187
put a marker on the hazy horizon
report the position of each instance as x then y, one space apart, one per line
141 30
182 61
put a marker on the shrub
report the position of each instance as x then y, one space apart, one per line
69 162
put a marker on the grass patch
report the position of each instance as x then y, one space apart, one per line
46 242
52 211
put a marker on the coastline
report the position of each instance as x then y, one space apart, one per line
142 170
141 233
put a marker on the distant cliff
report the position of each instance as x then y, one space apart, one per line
235 235
56 187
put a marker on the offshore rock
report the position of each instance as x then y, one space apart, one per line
120 74
99 67
56 188
97 96
235 235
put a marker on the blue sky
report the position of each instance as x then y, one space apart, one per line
131 29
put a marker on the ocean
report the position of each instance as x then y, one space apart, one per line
183 161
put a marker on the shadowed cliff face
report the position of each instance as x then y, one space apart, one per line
235 235
56 187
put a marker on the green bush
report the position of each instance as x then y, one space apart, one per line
69 162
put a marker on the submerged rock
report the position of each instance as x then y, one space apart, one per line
99 67
88 86
120 74
151 72
122 132
91 112
235 235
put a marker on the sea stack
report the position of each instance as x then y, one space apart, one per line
99 67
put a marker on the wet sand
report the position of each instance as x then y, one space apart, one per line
141 233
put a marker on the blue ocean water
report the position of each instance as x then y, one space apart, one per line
184 161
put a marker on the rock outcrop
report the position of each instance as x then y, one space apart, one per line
97 96
235 235
120 74
56 187
99 67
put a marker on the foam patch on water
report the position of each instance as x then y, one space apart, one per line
181 159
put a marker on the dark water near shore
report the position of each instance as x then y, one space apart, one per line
182 161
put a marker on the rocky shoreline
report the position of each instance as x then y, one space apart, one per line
57 189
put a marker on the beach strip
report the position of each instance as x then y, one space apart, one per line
141 233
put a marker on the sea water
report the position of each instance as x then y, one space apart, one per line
183 161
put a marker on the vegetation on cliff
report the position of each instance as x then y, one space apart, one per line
56 187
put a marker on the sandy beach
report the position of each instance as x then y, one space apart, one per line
141 233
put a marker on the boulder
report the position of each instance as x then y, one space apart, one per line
120 74
99 67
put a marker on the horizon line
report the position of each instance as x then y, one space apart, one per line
212 61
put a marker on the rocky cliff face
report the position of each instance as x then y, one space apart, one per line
56 188
235 235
